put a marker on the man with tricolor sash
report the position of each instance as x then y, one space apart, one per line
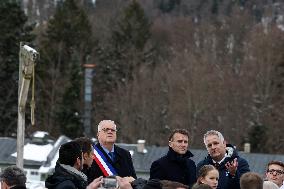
109 159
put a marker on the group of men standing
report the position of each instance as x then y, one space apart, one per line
82 164
105 159
176 164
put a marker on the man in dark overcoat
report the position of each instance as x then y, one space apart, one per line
68 168
117 160
176 165
225 158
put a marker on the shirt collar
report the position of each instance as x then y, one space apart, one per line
219 161
106 150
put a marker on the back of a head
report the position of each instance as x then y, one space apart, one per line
85 143
13 176
153 184
201 186
69 152
251 180
269 185
167 184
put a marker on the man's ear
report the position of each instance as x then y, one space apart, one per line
170 144
78 163
85 156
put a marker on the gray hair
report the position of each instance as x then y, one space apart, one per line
104 122
13 175
213 132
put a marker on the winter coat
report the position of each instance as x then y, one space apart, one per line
122 164
66 178
174 167
226 181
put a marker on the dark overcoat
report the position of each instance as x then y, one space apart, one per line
174 167
63 179
18 187
227 181
122 164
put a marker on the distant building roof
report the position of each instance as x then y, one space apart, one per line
8 146
35 153
30 152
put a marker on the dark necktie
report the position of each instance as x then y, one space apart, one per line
111 155
216 165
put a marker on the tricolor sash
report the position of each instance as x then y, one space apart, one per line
101 160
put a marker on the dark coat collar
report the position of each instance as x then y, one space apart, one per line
18 187
175 156
61 175
231 154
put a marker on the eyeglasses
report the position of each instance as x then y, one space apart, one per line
105 130
277 171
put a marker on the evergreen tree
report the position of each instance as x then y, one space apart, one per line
12 31
126 51
129 39
64 49
215 7
69 114
167 6
127 48
256 135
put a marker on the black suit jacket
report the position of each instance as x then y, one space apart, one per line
122 164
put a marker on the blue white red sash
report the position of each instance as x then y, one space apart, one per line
101 160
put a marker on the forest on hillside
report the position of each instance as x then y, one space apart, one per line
160 65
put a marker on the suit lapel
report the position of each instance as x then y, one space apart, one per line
106 155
